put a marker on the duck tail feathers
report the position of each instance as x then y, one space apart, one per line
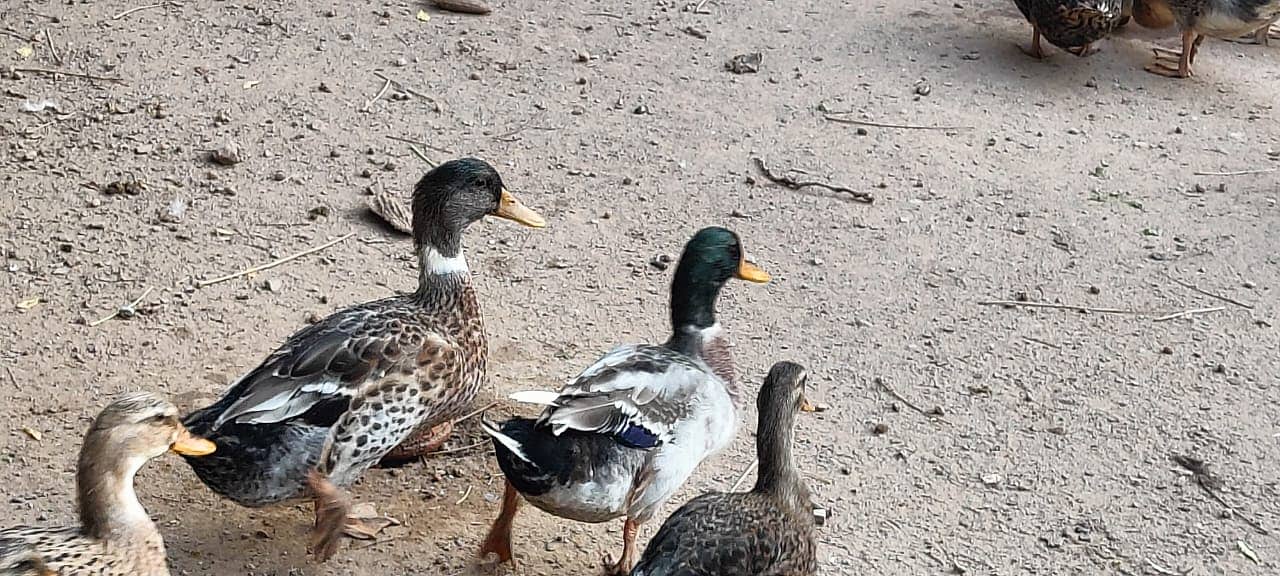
511 444
539 397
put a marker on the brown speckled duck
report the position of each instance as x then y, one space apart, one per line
769 530
1072 25
1227 19
116 537
389 375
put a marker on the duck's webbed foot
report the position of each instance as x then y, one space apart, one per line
629 551
1174 63
497 543
420 444
335 517
1035 50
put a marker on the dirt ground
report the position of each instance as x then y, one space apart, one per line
1047 443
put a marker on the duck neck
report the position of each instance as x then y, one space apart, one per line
441 269
778 476
109 507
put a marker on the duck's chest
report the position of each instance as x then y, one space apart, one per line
449 382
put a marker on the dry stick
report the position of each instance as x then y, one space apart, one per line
386 86
743 477
139 9
130 306
1190 286
1191 312
423 144
789 182
1041 342
880 382
698 9
473 413
887 125
1056 306
458 449
273 264
605 14
15 35
72 74
1209 483
1238 173
16 386
53 49
403 87
422 155
464 495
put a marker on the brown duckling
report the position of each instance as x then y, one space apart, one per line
116 537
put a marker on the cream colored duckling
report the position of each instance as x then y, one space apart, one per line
116 537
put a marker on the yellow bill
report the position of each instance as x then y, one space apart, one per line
752 273
509 208
188 445
806 405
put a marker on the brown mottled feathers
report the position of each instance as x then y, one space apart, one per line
1072 24
732 534
65 552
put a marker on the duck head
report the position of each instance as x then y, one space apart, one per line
451 197
711 258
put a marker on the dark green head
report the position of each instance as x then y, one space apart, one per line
711 258
457 193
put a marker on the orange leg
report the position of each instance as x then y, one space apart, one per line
1190 46
1035 51
334 518
421 443
498 541
629 552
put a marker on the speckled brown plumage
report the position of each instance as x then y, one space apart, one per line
340 395
1072 25
768 531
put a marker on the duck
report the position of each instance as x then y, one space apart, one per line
769 530
367 381
1198 19
115 536
620 438
1072 25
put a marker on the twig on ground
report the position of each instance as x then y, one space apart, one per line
439 453
1195 288
1190 312
605 14
12 379
1041 342
474 413
423 144
402 86
71 74
1211 484
857 122
464 495
793 184
698 9
369 104
272 264
141 8
1237 172
743 477
57 58
887 388
15 35
130 308
508 136
1023 304
422 155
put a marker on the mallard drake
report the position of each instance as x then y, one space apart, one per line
1072 25
116 537
341 394
1217 18
769 530
628 431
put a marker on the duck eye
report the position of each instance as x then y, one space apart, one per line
481 182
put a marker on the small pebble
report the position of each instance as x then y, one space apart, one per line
880 429
474 76
583 56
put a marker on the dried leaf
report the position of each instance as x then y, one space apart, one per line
37 436
29 303
392 211
25 52
423 16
